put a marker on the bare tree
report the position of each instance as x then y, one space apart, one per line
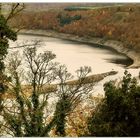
27 113
70 95
11 10
15 8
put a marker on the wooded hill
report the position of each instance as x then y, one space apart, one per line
109 22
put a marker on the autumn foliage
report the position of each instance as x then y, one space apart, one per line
119 23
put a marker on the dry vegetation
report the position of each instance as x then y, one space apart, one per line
119 23
49 88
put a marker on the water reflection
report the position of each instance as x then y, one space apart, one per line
121 61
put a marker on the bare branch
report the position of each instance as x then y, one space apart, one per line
14 10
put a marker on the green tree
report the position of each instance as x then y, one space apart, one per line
5 34
66 19
26 113
119 112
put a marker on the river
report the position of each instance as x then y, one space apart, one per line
75 54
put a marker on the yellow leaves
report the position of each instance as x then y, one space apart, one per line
53 133
110 33
71 132
77 121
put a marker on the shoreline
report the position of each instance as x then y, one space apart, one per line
112 44
95 78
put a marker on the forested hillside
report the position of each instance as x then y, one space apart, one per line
109 22
30 81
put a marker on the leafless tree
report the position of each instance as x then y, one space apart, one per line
10 10
25 108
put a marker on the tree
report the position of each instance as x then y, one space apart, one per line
70 95
119 112
6 34
27 112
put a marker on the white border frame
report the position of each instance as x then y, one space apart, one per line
71 1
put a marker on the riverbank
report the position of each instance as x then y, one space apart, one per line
54 87
112 44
